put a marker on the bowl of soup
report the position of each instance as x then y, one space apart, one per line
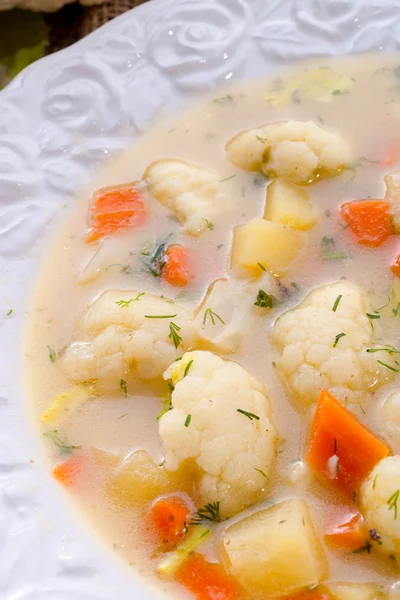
213 349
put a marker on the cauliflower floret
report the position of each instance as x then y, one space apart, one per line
118 337
380 504
313 357
190 191
232 452
295 150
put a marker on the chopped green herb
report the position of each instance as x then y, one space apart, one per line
366 548
261 266
60 441
249 415
156 261
228 178
210 225
329 250
262 472
396 310
169 300
148 248
294 285
392 502
173 334
274 364
52 354
266 300
211 512
123 416
187 420
261 139
126 303
388 366
219 246
374 483
337 92
9 313
370 316
160 316
186 371
223 99
178 359
210 313
166 402
320 119
388 349
336 303
337 338
327 213
259 181
123 387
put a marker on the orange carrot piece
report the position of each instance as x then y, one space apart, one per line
207 581
115 209
369 220
169 517
176 270
395 266
347 530
341 449
69 471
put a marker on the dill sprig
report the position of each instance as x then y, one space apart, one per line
211 512
210 313
173 334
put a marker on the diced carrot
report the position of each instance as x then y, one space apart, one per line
395 266
369 220
347 530
69 471
341 449
169 517
207 581
115 209
176 270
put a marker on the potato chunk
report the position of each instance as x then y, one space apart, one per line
261 244
392 181
354 591
290 205
275 551
140 480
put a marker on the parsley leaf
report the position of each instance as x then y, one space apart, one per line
266 300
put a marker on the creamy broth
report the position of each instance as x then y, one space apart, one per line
366 114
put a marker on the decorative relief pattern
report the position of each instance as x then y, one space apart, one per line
59 120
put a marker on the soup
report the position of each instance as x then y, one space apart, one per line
213 342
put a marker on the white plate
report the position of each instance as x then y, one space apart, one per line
59 120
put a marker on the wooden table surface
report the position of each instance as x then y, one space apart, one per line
74 21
